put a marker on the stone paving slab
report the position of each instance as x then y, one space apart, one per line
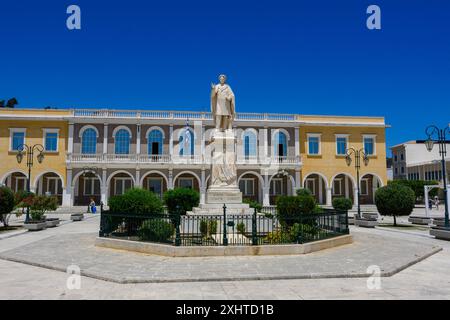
59 251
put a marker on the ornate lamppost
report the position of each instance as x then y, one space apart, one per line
357 155
28 151
436 135
87 170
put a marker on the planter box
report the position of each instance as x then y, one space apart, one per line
419 220
351 220
366 223
440 233
52 222
36 226
370 215
77 217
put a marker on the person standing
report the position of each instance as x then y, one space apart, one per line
436 202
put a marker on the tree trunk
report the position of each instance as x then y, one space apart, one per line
395 221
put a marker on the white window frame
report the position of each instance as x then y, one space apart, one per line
123 179
17 180
314 135
366 181
336 136
92 192
245 180
374 137
155 178
11 134
281 187
313 191
340 180
185 178
44 138
56 179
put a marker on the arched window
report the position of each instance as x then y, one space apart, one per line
122 142
280 144
89 141
155 142
187 143
249 144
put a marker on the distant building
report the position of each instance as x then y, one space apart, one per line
412 161
389 169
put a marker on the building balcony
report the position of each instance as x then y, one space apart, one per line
146 159
176 115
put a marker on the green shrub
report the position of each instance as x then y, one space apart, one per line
395 200
40 205
136 201
240 228
157 230
253 204
290 207
303 192
318 209
277 236
6 204
343 204
185 198
208 227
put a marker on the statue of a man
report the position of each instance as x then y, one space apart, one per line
222 104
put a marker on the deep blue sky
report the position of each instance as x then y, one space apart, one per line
307 57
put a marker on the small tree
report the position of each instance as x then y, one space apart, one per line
40 205
395 200
184 198
6 204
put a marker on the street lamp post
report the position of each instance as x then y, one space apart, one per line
28 151
357 155
434 132
87 170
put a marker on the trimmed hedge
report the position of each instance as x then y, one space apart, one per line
395 200
185 198
343 204
136 201
303 192
157 230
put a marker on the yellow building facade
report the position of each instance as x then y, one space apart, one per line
95 154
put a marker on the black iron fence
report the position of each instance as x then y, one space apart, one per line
226 229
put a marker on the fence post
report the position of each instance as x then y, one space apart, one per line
254 238
177 227
102 222
225 239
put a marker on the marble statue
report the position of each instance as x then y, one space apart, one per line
222 104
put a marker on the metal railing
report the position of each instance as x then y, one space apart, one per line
222 230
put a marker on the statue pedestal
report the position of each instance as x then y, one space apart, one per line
223 188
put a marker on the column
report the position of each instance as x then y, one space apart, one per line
266 191
346 186
355 197
70 139
67 191
104 188
105 138
297 142
262 144
171 140
298 183
203 188
320 188
138 178
329 197
202 147
170 186
138 139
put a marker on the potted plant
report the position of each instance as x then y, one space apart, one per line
39 206
77 216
